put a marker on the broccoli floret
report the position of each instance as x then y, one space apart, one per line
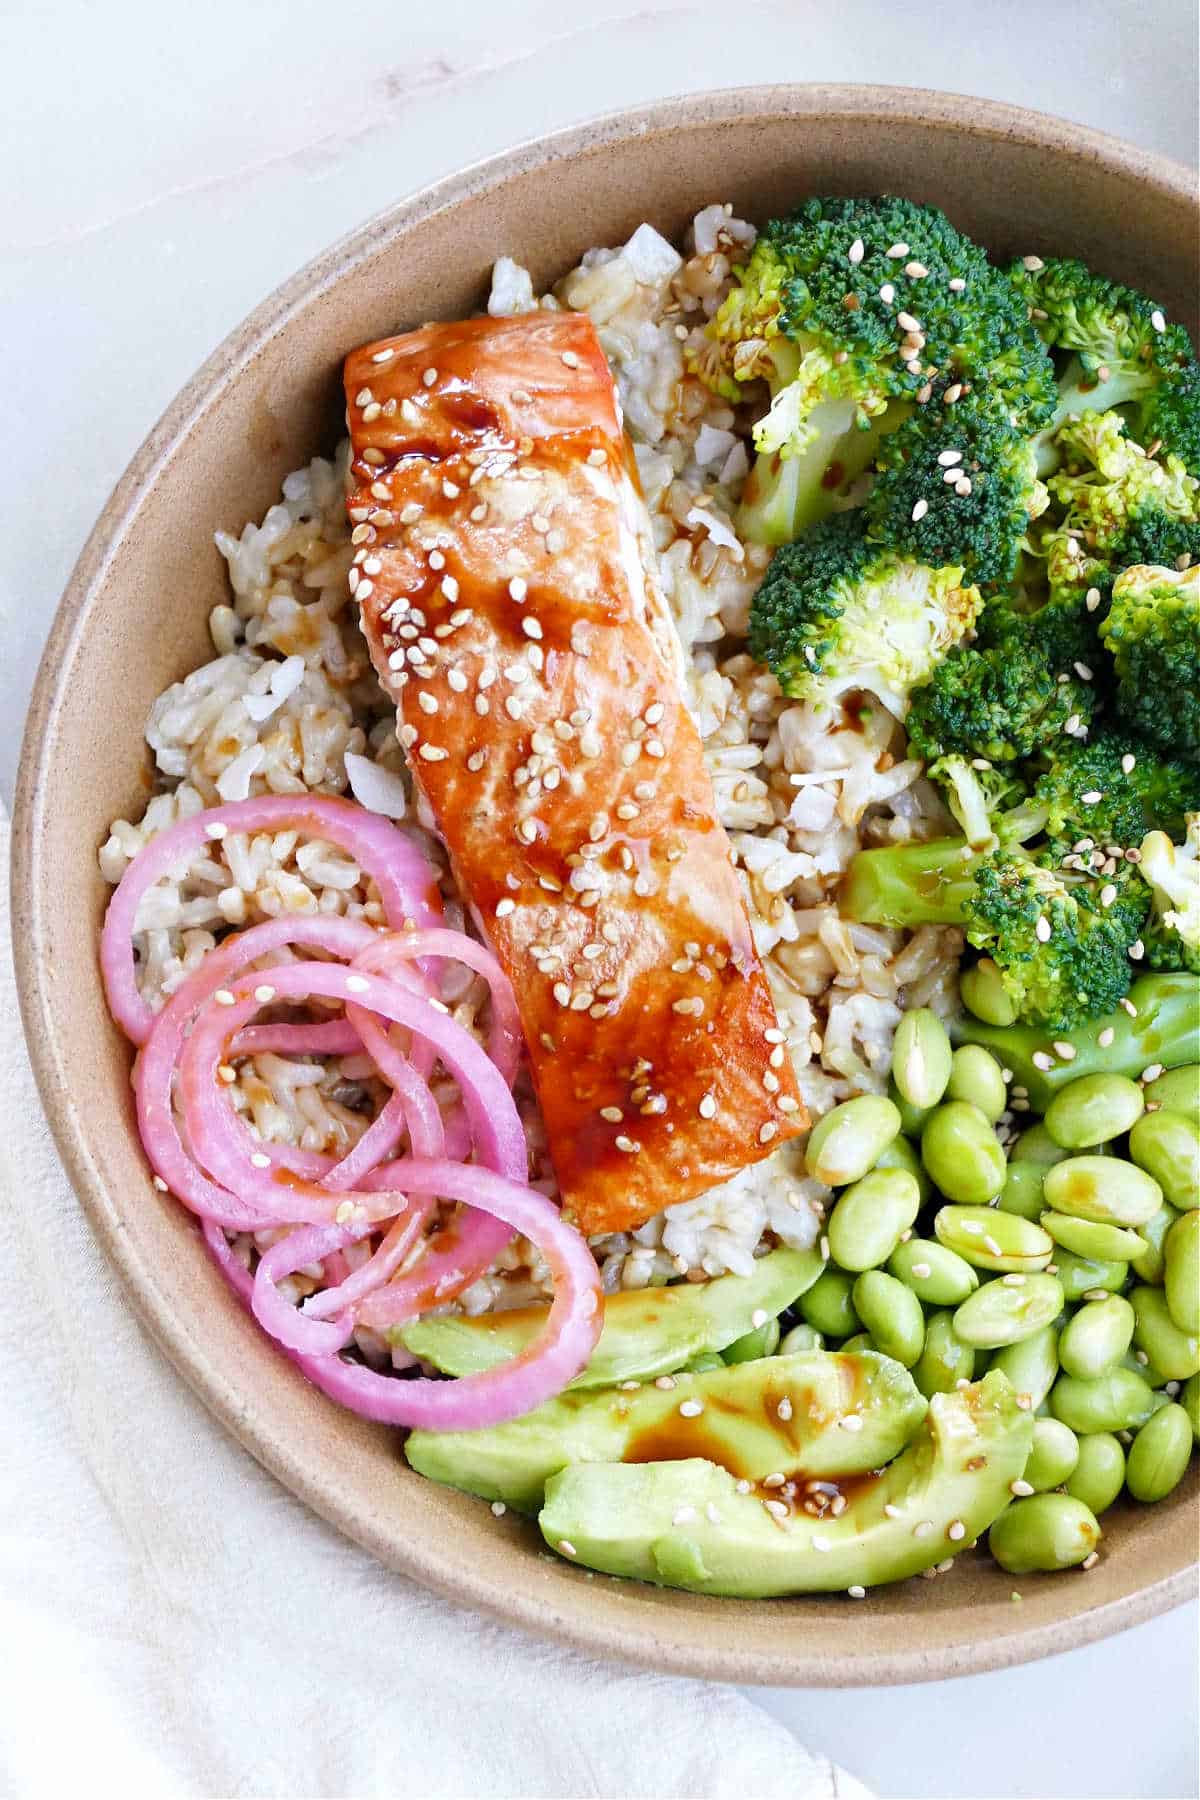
988 802
1153 635
1120 352
835 611
1172 933
851 310
1001 701
1110 791
1060 938
957 484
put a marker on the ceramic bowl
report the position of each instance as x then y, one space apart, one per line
134 619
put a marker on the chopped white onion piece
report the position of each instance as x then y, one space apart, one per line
717 529
233 783
375 787
512 289
651 257
712 445
285 679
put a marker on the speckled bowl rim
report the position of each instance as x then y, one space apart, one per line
50 1054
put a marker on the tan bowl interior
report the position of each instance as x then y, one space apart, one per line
134 619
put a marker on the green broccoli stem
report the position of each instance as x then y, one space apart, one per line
783 496
1080 391
1165 1028
912 884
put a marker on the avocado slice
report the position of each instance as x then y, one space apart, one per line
684 1524
648 1331
736 1424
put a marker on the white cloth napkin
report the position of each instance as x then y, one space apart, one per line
176 1624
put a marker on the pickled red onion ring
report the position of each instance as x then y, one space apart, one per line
387 955
542 1369
405 880
495 1124
156 1064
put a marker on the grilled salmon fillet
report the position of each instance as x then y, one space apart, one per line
505 578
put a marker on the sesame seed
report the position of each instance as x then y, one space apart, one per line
264 995
916 271
779 1509
432 753
851 1422
1020 1488
260 1161
1152 1072
665 1382
784 1409
897 250
1032 264
627 1144
223 997
1090 1560
1083 671
567 1548
685 1515
887 293
921 1270
1157 320
690 1409
857 1591
569 359
382 356
952 394
1042 1061
427 703
597 458
767 1132
951 475
707 1107
948 458
919 511
518 587
612 1114
1042 930
963 488
504 907
906 322
923 1528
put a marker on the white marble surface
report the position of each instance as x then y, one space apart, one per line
174 163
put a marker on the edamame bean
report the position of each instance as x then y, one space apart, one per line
1190 1401
1037 1146
961 1152
937 1276
944 1360
900 1154
845 1143
990 1239
1031 1365
1175 1352
1109 1243
1008 1310
800 1337
1096 1337
912 1118
1167 1146
1118 1400
977 1078
1022 1190
1181 1266
983 993
1103 1188
762 1341
892 1315
1093 1110
1178 1090
1099 1472
1052 1455
1148 1265
869 1218
862 1340
1159 1455
921 1057
1080 1274
1047 1531
703 1361
827 1305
